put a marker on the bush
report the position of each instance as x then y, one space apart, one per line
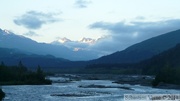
167 75
2 94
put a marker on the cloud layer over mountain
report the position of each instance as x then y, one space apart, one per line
13 41
123 34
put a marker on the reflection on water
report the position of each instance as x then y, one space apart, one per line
72 91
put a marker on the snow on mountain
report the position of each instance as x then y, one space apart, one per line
63 40
77 49
6 31
62 50
66 40
82 44
87 40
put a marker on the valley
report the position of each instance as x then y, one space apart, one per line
141 64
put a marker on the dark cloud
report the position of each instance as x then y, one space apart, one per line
105 45
35 20
82 3
123 34
76 44
30 33
139 27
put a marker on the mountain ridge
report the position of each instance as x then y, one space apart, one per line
12 57
167 59
143 50
10 40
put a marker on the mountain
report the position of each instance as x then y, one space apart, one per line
61 41
142 50
166 67
80 47
166 63
11 40
82 43
66 40
12 57
166 59
87 40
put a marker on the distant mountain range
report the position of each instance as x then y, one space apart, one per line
166 63
12 57
13 41
66 40
80 45
143 50
16 48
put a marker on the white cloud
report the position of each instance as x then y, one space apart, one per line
30 33
82 3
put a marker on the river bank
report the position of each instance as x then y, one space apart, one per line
78 90
143 80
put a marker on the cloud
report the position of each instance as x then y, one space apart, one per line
82 3
76 44
123 34
35 20
30 33
105 45
139 27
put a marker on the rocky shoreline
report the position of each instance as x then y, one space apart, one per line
102 86
82 94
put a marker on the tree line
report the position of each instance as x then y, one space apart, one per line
165 66
20 75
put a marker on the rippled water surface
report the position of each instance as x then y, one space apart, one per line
69 91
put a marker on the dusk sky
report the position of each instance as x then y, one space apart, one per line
116 23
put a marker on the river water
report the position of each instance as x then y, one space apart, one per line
69 91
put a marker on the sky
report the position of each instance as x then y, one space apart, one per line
115 24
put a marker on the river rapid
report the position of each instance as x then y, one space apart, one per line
78 91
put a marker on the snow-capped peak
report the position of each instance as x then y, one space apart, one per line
6 31
63 40
87 40
76 49
66 41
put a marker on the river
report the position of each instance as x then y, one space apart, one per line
73 92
